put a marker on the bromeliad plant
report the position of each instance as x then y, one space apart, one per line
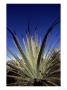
32 68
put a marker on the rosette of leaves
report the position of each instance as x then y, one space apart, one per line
32 69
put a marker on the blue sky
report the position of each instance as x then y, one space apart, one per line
40 15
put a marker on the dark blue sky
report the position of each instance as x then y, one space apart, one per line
41 15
